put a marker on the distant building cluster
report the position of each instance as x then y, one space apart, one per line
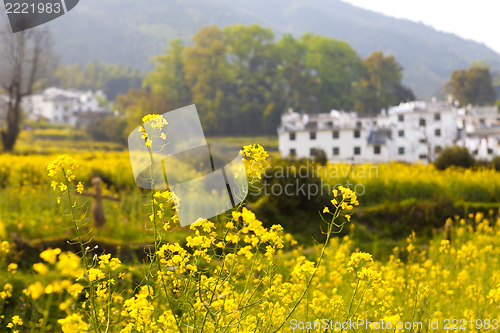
409 132
68 107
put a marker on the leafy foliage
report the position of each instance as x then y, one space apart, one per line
381 87
241 78
473 86
454 156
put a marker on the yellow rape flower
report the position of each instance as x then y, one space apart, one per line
12 267
96 274
73 323
80 187
16 321
50 255
40 268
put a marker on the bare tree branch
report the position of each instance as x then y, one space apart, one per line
25 59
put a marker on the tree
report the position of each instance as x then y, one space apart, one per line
473 86
298 82
25 61
381 86
168 77
335 66
251 99
137 103
242 79
208 74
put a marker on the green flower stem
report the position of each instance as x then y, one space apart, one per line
94 317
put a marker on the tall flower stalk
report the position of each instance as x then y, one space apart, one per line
346 202
64 165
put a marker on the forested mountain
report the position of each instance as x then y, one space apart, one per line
131 32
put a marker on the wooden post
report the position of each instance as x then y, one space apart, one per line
97 208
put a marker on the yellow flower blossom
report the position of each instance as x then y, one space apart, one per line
80 187
50 255
12 267
40 268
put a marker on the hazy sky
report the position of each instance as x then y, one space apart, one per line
478 20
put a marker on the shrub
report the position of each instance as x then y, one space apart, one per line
457 156
496 163
320 156
110 129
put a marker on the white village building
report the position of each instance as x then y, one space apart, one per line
479 130
409 132
68 107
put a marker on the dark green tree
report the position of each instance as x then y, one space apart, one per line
250 103
381 87
168 77
473 86
208 74
242 79
336 67
298 83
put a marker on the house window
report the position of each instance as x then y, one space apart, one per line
358 124
292 136
293 152
336 151
335 134
422 156
329 124
490 151
312 135
401 118
437 116
357 134
357 150
422 140
421 122
376 150
401 150
437 149
312 152
401 133
437 132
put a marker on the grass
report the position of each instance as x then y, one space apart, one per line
55 140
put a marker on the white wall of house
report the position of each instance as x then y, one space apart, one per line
421 130
59 106
414 131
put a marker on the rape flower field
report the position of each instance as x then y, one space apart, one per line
236 273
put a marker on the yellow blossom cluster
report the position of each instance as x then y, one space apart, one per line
255 157
157 123
243 290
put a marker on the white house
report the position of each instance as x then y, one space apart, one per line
341 135
63 106
421 130
479 131
409 132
